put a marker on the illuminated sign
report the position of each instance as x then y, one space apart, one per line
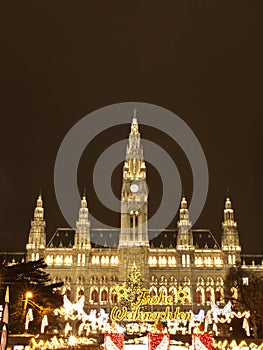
143 298
122 314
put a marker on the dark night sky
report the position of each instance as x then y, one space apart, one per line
62 60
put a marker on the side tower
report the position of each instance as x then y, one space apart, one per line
134 242
185 247
37 235
82 235
230 238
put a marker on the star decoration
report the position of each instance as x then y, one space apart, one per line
135 277
122 292
182 295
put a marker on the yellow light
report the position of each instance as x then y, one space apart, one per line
242 344
29 295
72 341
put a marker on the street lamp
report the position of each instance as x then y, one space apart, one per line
28 295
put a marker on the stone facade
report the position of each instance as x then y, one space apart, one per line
180 257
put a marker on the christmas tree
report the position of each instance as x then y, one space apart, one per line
128 292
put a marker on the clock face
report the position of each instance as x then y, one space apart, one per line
134 188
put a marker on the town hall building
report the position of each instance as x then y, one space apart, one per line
166 258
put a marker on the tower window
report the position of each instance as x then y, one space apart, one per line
131 221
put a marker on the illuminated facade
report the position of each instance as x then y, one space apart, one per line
180 257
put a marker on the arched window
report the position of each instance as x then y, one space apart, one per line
163 280
113 296
200 281
188 260
210 293
208 296
186 284
94 280
219 281
103 279
131 221
217 261
200 293
67 280
104 295
198 297
219 292
154 279
153 291
95 296
114 278
80 293
186 281
67 260
173 280
80 279
183 259
163 289
173 292
162 261
217 296
209 281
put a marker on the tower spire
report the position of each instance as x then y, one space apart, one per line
37 235
39 206
82 235
230 237
134 165
84 203
184 225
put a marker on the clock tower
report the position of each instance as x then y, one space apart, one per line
134 194
134 242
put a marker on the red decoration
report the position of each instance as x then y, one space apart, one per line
113 341
202 341
159 341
